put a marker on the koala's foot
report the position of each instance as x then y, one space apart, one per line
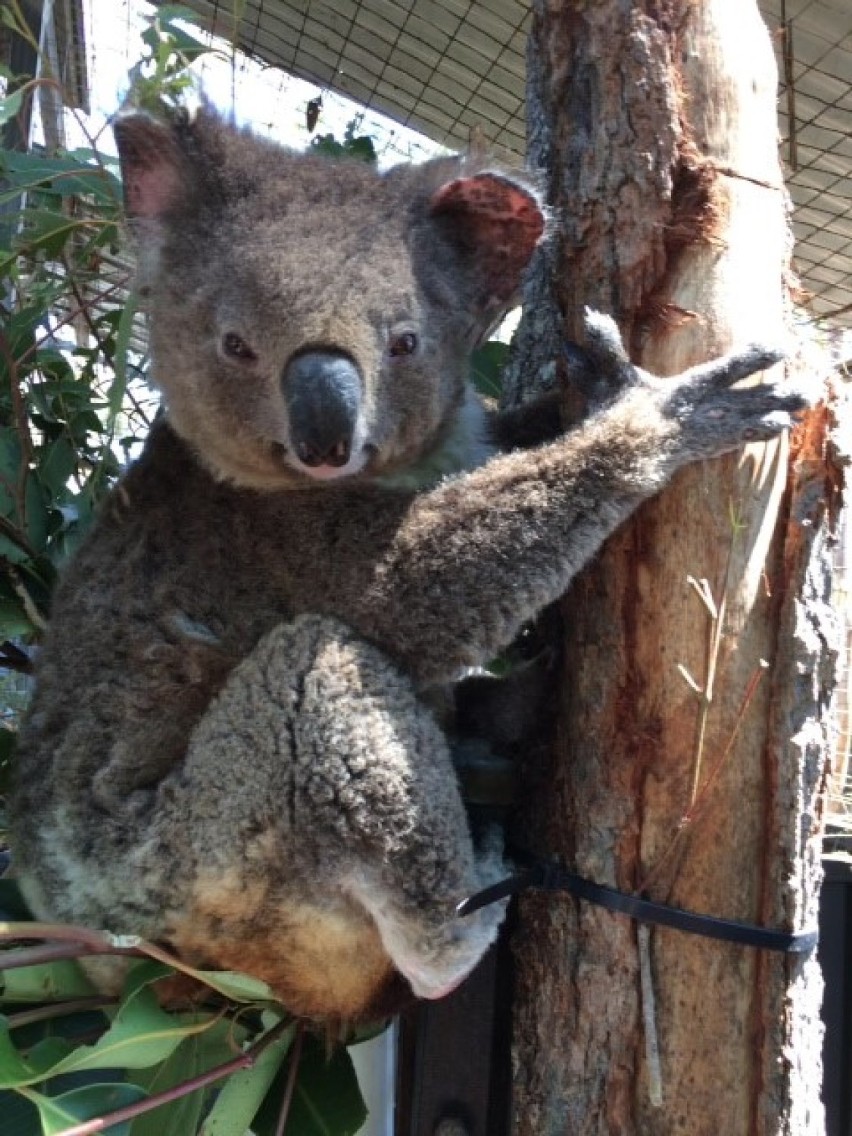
348 847
433 947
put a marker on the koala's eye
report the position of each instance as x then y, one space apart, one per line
236 348
404 344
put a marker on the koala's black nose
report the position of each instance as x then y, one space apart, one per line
322 392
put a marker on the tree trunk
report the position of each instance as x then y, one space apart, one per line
699 648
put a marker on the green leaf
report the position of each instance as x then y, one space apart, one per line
47 231
64 175
193 1056
86 1103
486 367
38 517
10 106
327 1100
17 1071
231 984
141 1035
182 42
362 148
14 624
10 469
20 1116
238 1102
47 982
57 465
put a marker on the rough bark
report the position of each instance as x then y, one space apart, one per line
655 123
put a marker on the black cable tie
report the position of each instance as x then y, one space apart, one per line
550 877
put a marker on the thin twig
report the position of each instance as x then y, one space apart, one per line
649 1017
57 1010
40 955
700 801
22 425
129 1112
29 605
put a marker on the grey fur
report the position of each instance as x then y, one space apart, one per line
226 750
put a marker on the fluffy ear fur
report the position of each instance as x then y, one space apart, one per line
153 168
495 223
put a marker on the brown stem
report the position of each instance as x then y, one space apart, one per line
244 1061
19 412
56 1010
700 800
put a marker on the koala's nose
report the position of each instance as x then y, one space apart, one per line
322 392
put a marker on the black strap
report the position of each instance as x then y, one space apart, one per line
551 877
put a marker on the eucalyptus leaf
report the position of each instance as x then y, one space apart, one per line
243 1093
57 464
17 1070
47 230
20 1116
47 982
194 1056
14 620
86 1103
486 368
238 987
141 1034
326 1102
65 175
118 390
11 106
37 515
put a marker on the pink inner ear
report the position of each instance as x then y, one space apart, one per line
152 166
498 223
150 190
491 200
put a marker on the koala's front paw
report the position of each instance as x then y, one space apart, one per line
713 416
710 414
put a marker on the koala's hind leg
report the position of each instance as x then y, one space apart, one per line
325 841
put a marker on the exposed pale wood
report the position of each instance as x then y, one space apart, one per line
657 124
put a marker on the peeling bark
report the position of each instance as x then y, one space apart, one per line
655 122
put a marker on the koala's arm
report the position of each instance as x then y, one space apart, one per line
479 555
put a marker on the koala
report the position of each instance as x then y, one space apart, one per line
229 749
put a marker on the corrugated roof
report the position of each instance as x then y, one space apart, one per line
450 67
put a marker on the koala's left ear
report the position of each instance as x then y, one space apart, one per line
495 223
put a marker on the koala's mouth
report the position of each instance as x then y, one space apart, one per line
360 461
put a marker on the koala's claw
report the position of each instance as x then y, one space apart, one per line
714 417
730 368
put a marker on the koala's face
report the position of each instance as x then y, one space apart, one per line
311 320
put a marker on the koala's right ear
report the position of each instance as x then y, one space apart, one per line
153 167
